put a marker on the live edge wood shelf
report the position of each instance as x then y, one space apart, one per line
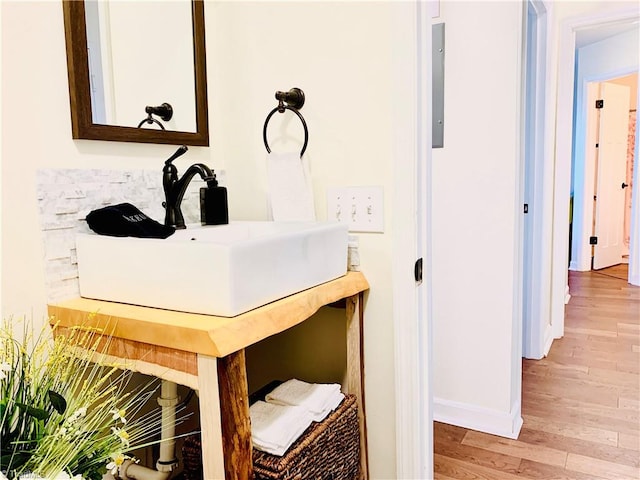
206 353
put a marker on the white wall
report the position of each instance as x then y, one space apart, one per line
584 9
476 232
355 62
615 56
341 54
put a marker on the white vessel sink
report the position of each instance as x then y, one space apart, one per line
222 270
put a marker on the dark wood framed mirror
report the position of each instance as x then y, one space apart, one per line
82 123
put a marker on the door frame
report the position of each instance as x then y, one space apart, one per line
563 152
537 325
411 300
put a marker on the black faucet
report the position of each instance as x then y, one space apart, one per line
175 188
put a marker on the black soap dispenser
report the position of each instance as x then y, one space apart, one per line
214 209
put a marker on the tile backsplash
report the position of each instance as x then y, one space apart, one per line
66 196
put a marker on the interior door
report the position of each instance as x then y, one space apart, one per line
610 175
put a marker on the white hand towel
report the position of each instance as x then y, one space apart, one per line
274 428
329 406
290 192
319 399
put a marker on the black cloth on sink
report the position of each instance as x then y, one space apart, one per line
125 220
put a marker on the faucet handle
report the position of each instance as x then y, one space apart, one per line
181 151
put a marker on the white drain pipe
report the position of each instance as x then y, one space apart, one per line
132 471
168 401
167 461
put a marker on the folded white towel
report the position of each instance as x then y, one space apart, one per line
319 399
330 405
274 428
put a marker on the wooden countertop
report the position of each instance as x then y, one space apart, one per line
204 334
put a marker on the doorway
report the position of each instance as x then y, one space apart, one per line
570 32
598 198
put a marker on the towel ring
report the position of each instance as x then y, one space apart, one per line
281 108
150 119
164 111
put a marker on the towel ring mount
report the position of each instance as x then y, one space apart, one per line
292 100
164 111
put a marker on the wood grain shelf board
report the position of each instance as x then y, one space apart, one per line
204 334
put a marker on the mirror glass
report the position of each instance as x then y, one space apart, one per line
126 56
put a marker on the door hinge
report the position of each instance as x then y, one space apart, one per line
599 103
417 271
593 240
526 208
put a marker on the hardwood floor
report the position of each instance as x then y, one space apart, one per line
580 405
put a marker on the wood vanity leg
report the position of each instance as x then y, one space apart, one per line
209 398
236 423
354 380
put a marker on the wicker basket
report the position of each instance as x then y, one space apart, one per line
192 458
328 450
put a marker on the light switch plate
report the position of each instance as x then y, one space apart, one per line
362 208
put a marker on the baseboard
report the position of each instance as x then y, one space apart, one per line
567 296
547 345
477 418
576 266
634 279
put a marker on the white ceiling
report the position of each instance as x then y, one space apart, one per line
602 32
